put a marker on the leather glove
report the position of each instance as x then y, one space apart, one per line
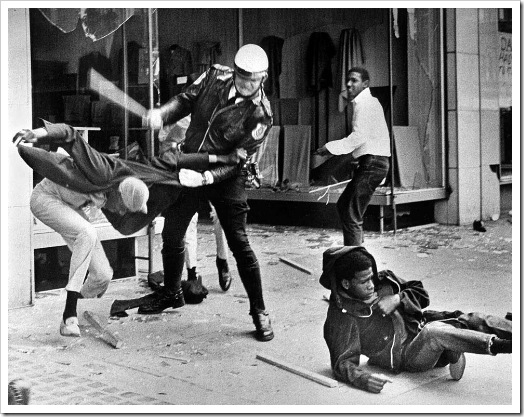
24 136
190 178
153 119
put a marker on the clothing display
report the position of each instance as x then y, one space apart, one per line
207 55
350 54
178 63
272 45
320 52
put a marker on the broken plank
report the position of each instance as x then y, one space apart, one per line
177 358
323 380
107 335
296 265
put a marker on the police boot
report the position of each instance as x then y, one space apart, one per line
252 281
171 294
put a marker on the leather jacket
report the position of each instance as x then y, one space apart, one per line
216 127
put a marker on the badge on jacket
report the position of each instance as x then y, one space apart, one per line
258 132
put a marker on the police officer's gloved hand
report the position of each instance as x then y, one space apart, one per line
190 178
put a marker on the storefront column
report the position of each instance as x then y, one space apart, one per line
472 117
18 253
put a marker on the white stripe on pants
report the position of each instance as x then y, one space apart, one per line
191 239
81 238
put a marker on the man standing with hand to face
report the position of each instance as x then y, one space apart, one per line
228 110
369 144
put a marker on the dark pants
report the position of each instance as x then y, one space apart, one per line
232 214
355 199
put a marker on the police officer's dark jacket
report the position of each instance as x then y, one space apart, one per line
216 127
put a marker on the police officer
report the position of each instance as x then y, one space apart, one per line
228 110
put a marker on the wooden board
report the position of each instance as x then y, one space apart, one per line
328 382
107 335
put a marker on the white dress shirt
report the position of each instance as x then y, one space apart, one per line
370 133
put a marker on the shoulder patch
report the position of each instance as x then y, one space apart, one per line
259 130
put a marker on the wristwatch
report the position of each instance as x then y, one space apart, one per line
204 179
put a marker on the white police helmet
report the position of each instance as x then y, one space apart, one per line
251 60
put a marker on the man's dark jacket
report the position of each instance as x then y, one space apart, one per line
87 171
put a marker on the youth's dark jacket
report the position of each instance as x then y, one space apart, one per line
86 170
353 328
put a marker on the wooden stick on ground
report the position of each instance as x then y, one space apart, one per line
328 382
107 335
296 265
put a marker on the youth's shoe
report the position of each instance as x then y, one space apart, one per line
18 392
165 299
70 327
456 369
264 331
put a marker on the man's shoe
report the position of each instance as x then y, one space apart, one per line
18 392
456 369
264 331
69 327
164 299
224 276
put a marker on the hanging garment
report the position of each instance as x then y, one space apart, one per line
351 54
272 45
320 52
178 63
207 55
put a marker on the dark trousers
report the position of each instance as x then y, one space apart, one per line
355 198
233 218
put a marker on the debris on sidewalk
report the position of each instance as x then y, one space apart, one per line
176 358
106 334
297 370
296 265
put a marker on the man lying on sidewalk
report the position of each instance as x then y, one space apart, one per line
379 315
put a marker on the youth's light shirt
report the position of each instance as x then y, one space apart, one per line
370 133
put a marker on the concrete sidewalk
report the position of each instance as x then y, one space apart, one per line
205 355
